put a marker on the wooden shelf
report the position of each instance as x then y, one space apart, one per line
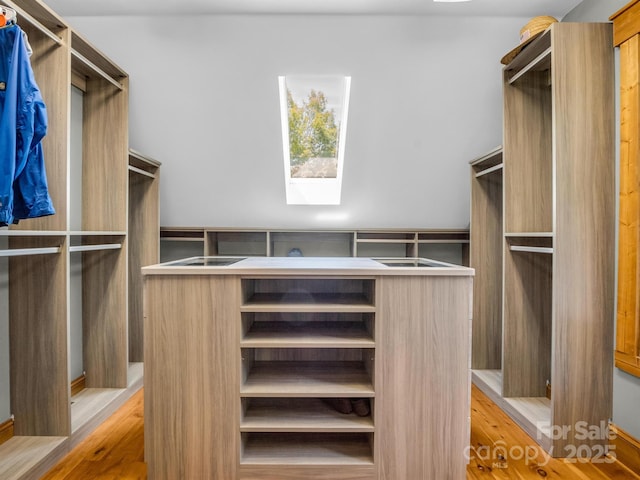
307 379
308 335
20 456
299 449
529 234
321 243
300 415
536 57
307 302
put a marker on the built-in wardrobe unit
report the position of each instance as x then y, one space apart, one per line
64 286
143 239
542 243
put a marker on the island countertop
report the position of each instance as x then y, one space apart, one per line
307 266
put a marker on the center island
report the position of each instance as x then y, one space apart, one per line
307 368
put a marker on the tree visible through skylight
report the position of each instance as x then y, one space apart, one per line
314 117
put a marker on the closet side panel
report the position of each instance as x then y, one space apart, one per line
423 382
38 339
584 244
104 318
144 249
105 156
192 370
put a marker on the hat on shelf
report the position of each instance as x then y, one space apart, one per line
528 34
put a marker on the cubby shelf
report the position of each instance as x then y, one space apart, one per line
305 449
337 334
300 415
449 245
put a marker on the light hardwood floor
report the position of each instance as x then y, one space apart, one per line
115 450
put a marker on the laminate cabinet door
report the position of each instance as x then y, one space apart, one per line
423 387
191 377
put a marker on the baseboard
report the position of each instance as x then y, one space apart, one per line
627 448
6 430
78 384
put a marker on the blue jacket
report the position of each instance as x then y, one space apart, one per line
23 123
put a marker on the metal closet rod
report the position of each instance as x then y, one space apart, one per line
23 14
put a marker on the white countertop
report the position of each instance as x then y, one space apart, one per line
307 266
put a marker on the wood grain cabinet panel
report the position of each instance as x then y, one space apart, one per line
424 399
191 377
243 371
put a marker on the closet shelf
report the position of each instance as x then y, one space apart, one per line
32 233
385 240
536 57
33 21
138 157
436 241
489 159
309 335
529 234
301 449
18 252
97 233
307 379
300 415
307 302
541 62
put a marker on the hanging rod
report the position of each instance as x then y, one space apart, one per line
23 14
96 69
523 248
489 170
16 252
141 171
92 248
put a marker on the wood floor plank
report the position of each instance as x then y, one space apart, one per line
500 450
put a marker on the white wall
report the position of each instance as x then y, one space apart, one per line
425 99
626 388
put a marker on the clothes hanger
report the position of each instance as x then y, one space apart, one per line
9 15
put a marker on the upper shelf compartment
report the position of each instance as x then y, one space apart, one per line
40 17
489 163
535 58
86 59
308 295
